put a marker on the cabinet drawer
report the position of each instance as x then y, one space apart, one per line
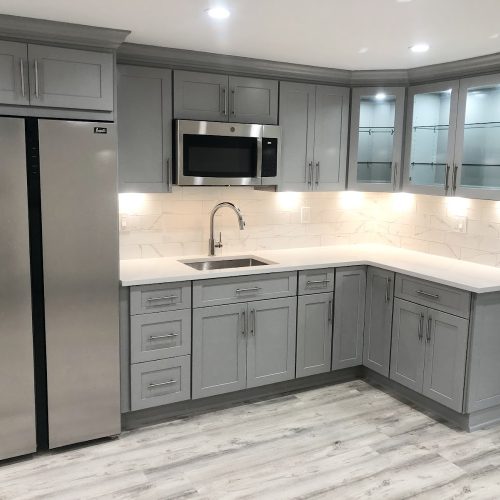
157 298
441 297
157 383
243 288
316 281
160 335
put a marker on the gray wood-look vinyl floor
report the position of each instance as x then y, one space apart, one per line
345 441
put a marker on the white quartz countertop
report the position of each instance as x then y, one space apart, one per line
457 273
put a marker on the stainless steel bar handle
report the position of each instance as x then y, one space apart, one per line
159 337
455 172
232 102
167 297
224 101
395 169
169 177
330 311
243 322
252 322
429 327
427 294
447 179
37 89
388 289
161 384
421 327
317 282
317 173
251 289
310 174
23 89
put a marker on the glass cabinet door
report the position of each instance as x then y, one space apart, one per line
376 137
477 152
430 137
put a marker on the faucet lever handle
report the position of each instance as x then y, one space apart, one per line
219 243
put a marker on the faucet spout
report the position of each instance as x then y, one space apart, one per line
241 222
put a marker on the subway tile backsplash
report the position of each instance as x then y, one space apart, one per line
161 225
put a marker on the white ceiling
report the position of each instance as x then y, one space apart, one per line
318 32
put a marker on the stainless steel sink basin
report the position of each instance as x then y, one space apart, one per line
225 263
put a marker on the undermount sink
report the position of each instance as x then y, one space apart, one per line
225 263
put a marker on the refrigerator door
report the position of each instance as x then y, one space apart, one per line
79 203
17 397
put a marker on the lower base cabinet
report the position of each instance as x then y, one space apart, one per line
348 327
314 334
243 345
429 350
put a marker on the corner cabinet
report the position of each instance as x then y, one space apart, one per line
376 139
314 121
213 97
144 109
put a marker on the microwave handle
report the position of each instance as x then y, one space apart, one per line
259 159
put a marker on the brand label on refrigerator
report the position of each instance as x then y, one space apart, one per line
100 130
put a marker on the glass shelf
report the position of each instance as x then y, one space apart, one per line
431 163
477 125
433 128
376 130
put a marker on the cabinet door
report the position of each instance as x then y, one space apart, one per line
144 129
350 288
378 320
430 138
200 96
219 350
14 73
330 138
376 139
297 110
271 341
408 345
476 172
67 78
314 333
253 100
445 357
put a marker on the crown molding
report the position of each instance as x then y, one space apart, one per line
58 33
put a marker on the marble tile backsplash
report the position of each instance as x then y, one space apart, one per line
158 225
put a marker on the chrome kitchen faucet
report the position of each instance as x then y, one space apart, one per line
211 242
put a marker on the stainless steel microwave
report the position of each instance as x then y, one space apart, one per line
227 154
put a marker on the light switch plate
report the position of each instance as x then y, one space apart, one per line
305 215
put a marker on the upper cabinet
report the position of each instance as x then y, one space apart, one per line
55 77
430 138
376 139
476 172
14 73
144 109
314 122
211 97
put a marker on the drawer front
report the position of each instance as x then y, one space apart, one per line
243 288
441 297
160 335
158 298
157 383
316 281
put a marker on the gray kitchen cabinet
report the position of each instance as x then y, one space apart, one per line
14 85
378 320
219 350
314 333
69 78
144 117
253 100
271 341
376 138
445 358
408 345
349 312
314 121
211 97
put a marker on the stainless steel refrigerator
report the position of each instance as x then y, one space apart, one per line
59 354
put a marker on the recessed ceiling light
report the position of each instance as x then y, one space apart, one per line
419 47
380 96
218 13
363 50
495 35
403 1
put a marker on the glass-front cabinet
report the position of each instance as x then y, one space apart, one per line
477 146
430 138
376 139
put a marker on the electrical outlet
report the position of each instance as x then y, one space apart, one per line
123 222
459 224
305 215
